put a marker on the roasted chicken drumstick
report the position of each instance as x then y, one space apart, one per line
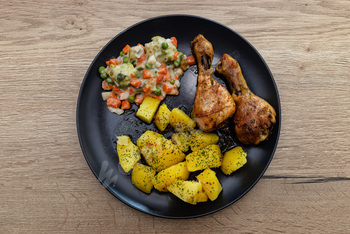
254 116
213 104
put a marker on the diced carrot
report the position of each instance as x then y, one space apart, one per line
108 70
162 65
126 49
142 58
146 74
120 92
162 70
131 90
190 60
159 78
176 54
112 95
106 86
139 99
107 63
160 97
174 41
125 105
176 77
167 88
167 77
116 89
113 61
146 88
132 75
136 82
151 94
114 102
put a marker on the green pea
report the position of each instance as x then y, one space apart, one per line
157 92
126 60
131 99
148 65
165 45
121 53
177 62
133 62
181 55
109 80
103 75
120 77
100 69
137 74
139 68
172 81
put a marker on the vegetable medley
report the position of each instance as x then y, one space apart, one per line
153 70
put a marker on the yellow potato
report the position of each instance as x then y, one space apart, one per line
142 176
167 176
147 109
206 157
161 119
180 121
128 153
210 183
181 140
158 151
202 196
201 139
186 190
233 160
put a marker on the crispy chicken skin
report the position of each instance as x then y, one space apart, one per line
254 117
213 104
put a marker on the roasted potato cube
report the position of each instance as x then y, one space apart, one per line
128 153
167 176
210 183
158 151
201 139
147 109
186 190
233 160
142 176
180 121
161 119
202 196
181 140
206 157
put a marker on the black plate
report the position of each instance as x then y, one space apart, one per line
98 128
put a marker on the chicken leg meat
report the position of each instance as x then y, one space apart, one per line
254 117
213 104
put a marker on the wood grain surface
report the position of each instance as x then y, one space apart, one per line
46 48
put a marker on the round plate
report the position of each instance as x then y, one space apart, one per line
98 127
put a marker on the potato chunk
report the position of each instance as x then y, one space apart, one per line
210 183
167 176
128 153
186 190
158 151
206 157
201 139
180 121
161 119
202 196
233 160
181 140
142 176
147 109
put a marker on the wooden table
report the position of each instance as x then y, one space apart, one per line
46 184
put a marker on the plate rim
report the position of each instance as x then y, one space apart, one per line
278 116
